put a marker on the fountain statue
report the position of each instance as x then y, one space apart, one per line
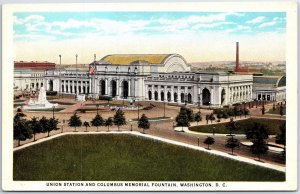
41 103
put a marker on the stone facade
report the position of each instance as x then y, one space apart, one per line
164 78
26 79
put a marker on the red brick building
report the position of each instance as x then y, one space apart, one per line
34 65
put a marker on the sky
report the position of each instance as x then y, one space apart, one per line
197 36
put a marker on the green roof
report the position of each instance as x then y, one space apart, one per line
277 81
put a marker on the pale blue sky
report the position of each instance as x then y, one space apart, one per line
65 27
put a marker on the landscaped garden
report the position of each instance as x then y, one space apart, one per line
272 125
111 157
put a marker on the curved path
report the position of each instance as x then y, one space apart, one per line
215 152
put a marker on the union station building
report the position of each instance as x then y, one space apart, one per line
152 77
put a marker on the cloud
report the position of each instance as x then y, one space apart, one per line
267 24
256 20
30 18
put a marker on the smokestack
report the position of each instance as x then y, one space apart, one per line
237 63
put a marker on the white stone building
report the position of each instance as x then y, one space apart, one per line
269 88
26 79
160 77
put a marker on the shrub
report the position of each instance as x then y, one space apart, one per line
51 93
108 98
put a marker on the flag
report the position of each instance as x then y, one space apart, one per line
92 69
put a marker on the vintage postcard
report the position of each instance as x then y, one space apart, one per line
190 96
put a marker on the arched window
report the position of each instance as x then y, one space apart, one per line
149 95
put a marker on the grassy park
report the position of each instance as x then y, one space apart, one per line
272 125
128 158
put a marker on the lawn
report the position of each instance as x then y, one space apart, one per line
272 124
276 111
121 157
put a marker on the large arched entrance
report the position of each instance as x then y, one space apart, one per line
102 87
149 95
190 98
156 95
223 96
169 96
113 88
205 97
125 89
162 96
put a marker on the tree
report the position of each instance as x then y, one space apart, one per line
258 135
198 117
35 126
109 122
232 143
22 130
209 141
219 116
281 138
189 113
281 110
119 118
97 121
212 117
263 109
232 126
45 124
86 124
182 119
144 123
257 130
75 121
52 125
207 118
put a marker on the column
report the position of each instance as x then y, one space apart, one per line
212 101
178 95
136 88
106 86
117 88
90 86
129 88
165 94
172 93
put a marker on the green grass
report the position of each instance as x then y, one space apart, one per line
276 111
272 124
156 119
128 158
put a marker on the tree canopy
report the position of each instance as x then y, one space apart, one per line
75 121
97 121
144 122
119 118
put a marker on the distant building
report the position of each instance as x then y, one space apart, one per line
27 79
269 88
34 65
30 75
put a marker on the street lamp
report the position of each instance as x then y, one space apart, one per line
97 108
